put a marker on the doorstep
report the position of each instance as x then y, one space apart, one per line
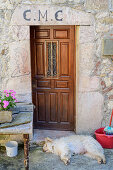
40 135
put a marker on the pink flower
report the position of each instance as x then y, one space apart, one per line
12 94
5 91
7 95
12 91
13 97
6 103
0 101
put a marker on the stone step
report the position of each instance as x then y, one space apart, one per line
23 107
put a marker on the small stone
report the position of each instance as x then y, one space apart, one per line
96 5
103 84
111 97
102 28
3 52
107 81
110 105
101 15
58 1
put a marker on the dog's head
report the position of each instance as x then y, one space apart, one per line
48 146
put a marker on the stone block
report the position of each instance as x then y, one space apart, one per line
86 34
86 58
23 107
5 116
22 118
39 15
111 97
110 105
22 86
96 5
18 80
19 58
111 5
75 2
87 83
108 47
20 33
59 1
102 14
5 4
102 28
90 114
108 81
20 68
36 2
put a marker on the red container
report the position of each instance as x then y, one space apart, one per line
105 140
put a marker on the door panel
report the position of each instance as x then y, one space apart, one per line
53 107
64 59
41 106
39 47
52 59
64 107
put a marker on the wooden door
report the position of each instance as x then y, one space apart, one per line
52 64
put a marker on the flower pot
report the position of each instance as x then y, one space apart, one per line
5 116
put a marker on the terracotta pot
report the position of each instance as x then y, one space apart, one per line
5 116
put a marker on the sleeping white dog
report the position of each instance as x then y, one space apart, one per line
65 147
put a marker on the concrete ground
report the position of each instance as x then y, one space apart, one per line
40 160
46 161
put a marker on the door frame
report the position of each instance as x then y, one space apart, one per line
74 73
74 81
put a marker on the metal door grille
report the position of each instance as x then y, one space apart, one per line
51 59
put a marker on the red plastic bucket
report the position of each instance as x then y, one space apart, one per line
105 140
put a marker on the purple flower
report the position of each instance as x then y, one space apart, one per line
0 101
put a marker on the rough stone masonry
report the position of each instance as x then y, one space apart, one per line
94 71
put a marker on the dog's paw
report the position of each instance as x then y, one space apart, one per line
104 161
99 161
66 161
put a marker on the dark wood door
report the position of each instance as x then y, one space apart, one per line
52 61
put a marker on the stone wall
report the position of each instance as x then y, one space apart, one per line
94 20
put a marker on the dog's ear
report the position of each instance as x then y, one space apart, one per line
48 139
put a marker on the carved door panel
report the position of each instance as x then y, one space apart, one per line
52 60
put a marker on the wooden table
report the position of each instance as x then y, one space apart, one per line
25 130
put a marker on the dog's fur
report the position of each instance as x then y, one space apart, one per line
76 144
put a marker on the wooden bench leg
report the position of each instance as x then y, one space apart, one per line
26 151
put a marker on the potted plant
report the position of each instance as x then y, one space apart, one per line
7 101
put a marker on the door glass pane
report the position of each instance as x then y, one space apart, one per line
51 59
54 46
